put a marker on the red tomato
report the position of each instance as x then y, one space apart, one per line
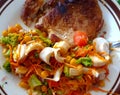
53 83
80 38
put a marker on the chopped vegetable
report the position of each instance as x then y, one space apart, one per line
80 38
11 39
50 92
53 83
36 55
6 66
34 81
59 92
48 69
46 40
66 71
86 61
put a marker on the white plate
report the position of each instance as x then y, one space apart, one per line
10 11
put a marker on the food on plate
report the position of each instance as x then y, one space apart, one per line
63 17
46 67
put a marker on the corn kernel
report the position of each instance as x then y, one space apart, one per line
73 62
18 27
79 66
24 85
101 83
44 74
4 50
5 33
68 58
21 70
27 38
12 30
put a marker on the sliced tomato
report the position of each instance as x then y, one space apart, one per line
80 38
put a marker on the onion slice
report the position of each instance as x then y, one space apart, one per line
48 52
57 74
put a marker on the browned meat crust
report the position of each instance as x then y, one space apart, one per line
65 18
31 8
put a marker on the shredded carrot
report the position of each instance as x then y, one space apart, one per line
10 47
11 58
82 52
67 84
71 66
30 70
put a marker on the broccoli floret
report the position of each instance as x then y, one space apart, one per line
86 61
6 66
11 39
46 40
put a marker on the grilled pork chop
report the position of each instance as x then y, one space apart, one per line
63 19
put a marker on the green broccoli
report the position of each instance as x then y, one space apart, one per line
86 61
11 39
46 40
6 66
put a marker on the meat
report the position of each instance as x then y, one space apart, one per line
68 16
33 9
30 10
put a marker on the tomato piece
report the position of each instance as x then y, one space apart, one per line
53 83
80 38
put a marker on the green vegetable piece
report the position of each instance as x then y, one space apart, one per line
46 40
36 55
6 66
80 76
34 81
45 83
86 61
50 92
59 92
38 31
11 39
66 71
44 94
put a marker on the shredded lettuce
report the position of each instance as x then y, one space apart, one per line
86 61
34 81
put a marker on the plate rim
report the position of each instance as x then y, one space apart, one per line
115 13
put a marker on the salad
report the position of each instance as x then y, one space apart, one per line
47 67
